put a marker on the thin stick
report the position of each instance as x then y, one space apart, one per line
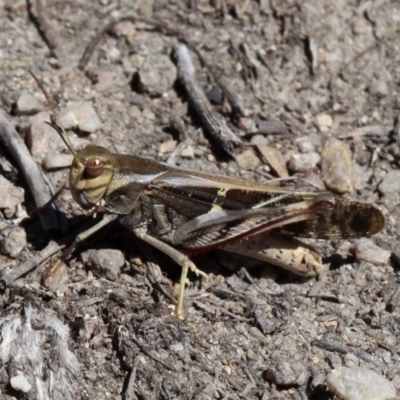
51 249
30 264
214 125
396 129
43 24
59 129
10 139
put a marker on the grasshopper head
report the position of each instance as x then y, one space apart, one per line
91 173
92 168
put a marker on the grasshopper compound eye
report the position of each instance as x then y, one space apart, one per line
94 167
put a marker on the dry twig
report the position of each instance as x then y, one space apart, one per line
41 193
214 125
43 25
30 264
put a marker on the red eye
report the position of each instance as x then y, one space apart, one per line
94 167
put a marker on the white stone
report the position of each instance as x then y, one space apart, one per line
20 383
360 384
367 250
81 115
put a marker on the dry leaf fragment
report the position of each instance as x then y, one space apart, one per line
274 159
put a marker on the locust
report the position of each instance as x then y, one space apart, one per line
182 212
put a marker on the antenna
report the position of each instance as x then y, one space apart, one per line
60 129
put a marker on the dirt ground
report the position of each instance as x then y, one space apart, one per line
326 69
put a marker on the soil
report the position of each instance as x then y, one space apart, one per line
247 333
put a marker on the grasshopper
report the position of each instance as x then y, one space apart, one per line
182 212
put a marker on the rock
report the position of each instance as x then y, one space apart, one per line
20 383
56 161
360 383
248 160
105 262
367 250
113 54
13 241
157 75
58 276
324 122
126 29
247 124
28 104
167 147
105 80
305 144
176 347
303 162
379 88
337 166
81 115
390 183
44 139
11 195
259 139
188 152
287 373
87 328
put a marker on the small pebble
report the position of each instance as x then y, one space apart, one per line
81 115
287 373
188 152
305 144
337 166
20 383
157 75
11 195
55 280
126 29
359 383
247 124
167 147
44 139
28 104
351 360
176 347
78 143
390 183
10 213
134 112
324 122
273 127
6 166
105 81
303 162
248 160
56 161
88 327
13 241
259 139
318 379
379 88
105 262
113 54
367 250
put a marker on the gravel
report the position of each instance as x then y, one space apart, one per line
327 74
